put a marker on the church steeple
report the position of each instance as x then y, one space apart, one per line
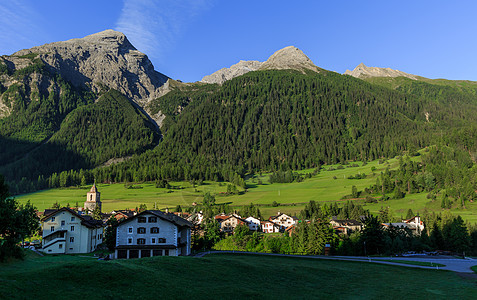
93 199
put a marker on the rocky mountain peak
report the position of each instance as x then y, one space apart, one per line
107 59
289 58
236 70
362 71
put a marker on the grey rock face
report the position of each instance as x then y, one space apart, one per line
362 71
105 58
287 58
236 70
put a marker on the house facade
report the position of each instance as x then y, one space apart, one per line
253 223
283 220
414 224
346 226
270 227
153 233
228 224
66 232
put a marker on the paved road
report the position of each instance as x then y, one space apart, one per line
451 263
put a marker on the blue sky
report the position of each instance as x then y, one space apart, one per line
188 39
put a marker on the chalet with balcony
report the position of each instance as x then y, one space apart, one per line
283 220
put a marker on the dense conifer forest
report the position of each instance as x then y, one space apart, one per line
265 121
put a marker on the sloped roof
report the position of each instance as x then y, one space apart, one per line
178 221
350 222
93 189
87 221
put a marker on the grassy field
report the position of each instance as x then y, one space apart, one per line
326 187
223 277
415 263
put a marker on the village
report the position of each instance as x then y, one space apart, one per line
149 233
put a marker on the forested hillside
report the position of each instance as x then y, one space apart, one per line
281 120
259 122
52 127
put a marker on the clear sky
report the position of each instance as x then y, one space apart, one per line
188 39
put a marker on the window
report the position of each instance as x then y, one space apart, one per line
153 240
155 230
52 228
141 219
141 230
100 236
161 240
73 219
60 246
52 219
166 252
152 219
130 230
141 241
62 222
72 228
129 240
72 239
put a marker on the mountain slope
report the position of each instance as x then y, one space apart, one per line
284 119
106 58
89 136
53 96
290 58
362 71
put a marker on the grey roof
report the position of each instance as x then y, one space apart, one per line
176 220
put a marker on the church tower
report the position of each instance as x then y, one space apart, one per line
92 199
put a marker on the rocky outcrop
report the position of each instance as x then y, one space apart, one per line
287 58
103 59
362 71
236 70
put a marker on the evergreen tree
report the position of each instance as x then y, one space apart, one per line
110 233
17 222
97 213
372 236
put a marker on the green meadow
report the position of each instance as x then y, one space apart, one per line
327 186
223 276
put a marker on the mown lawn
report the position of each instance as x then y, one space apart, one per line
224 276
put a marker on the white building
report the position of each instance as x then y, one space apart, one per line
65 231
153 233
253 223
270 227
283 220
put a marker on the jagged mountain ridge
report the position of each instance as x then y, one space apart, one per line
28 79
362 71
104 58
287 58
